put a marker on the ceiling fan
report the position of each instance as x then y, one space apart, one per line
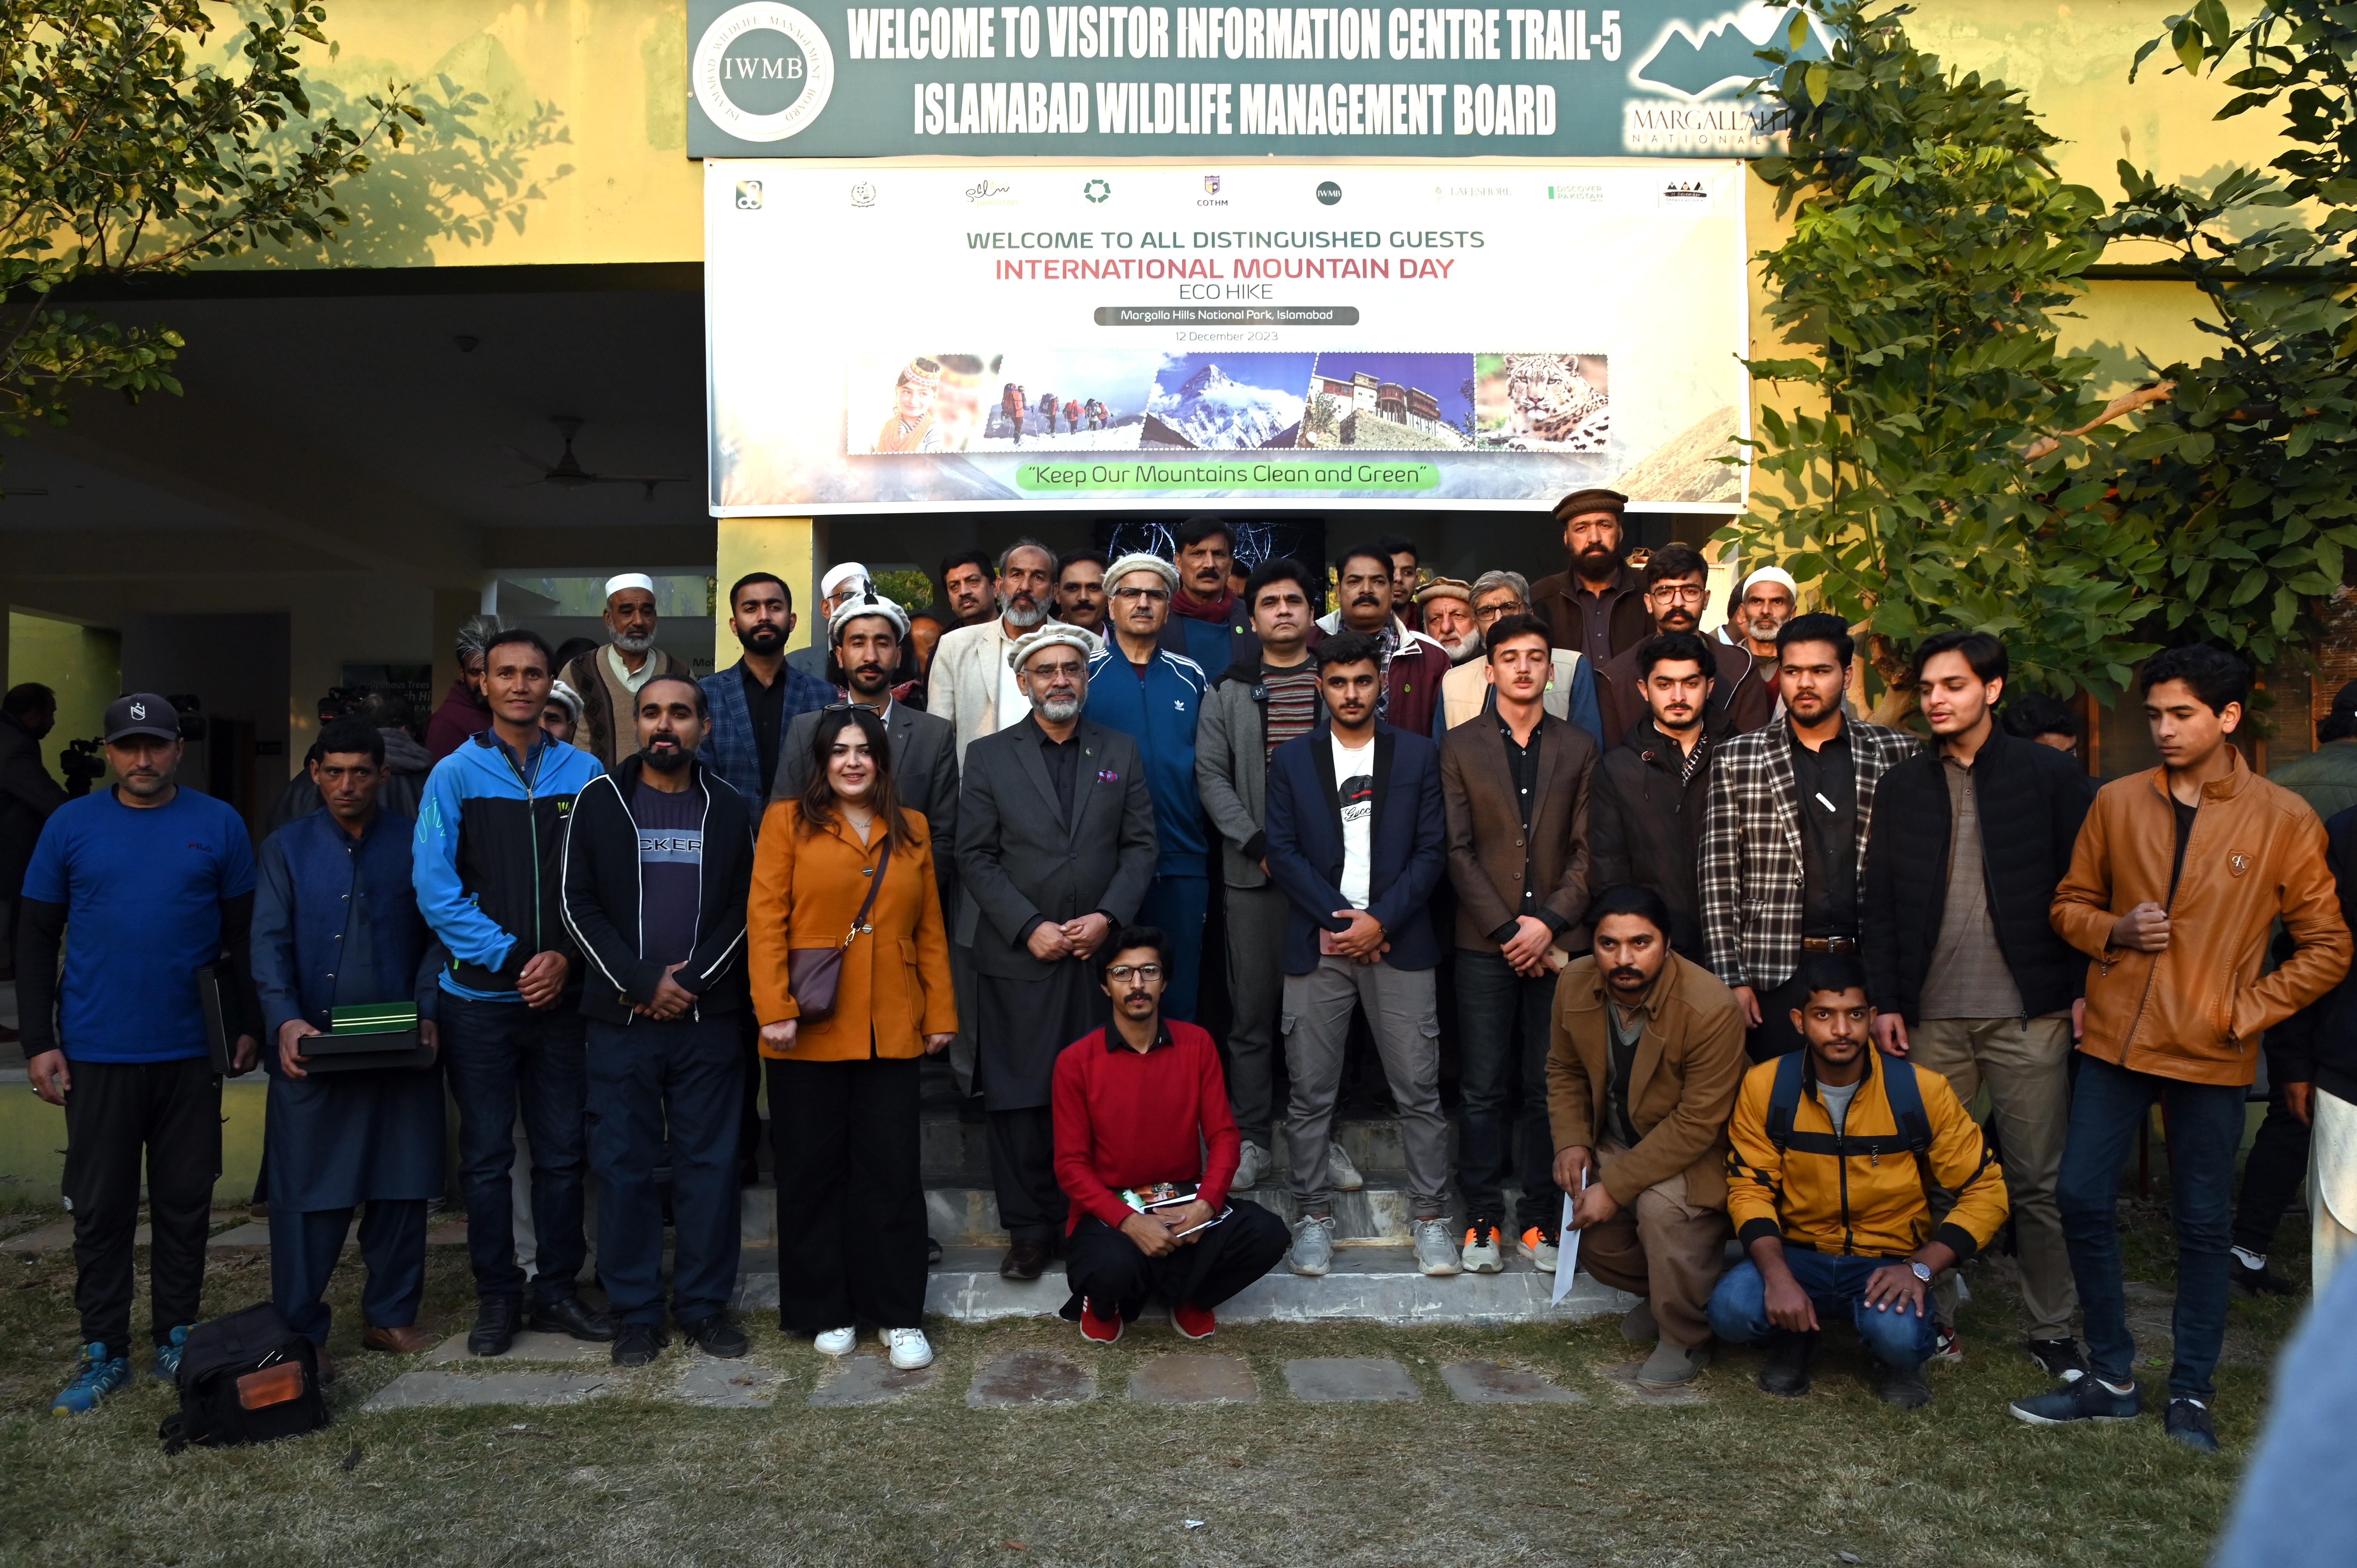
567 472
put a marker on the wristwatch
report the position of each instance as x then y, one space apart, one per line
1923 1269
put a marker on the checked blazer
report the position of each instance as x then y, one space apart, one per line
1750 872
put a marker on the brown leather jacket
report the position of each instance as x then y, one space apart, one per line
2194 1010
1682 1085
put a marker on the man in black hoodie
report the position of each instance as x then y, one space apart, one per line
1967 977
658 865
1645 816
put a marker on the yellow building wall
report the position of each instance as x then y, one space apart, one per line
82 664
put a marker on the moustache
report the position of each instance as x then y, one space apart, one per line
1625 972
1368 599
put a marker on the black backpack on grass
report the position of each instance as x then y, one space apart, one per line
246 1378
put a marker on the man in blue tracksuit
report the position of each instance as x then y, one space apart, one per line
1154 696
486 863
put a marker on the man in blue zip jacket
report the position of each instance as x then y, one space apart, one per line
487 866
1158 707
335 923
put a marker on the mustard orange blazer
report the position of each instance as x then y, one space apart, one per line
807 886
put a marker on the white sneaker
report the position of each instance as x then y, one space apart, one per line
910 1349
836 1341
1251 1166
1541 1248
1435 1248
1313 1244
1339 1172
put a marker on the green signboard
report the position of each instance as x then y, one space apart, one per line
1653 78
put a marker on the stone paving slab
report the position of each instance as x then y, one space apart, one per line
414 1390
742 1384
256 1233
532 1344
1623 1375
1030 1377
1194 1379
1487 1382
869 1379
1335 1378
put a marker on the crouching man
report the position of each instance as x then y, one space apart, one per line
1834 1147
1140 1103
1647 1056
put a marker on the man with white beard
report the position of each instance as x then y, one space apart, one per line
1445 607
970 684
609 678
1761 608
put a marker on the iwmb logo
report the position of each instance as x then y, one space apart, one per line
762 71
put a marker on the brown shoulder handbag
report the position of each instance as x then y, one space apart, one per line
812 973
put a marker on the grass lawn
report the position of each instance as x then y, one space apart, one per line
634 1476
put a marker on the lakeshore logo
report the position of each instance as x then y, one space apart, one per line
1329 193
762 71
1098 191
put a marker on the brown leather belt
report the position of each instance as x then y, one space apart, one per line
1829 944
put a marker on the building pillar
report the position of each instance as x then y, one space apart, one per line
784 545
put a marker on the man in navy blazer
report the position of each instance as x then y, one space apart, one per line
1357 841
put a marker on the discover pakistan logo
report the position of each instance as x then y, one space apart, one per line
762 71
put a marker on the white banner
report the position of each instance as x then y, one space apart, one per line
884 338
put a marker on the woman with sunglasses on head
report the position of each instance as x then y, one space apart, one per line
850 968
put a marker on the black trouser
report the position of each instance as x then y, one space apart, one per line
1106 1267
1023 1168
748 1114
646 1077
115 1112
1494 1005
498 1057
2272 1176
851 1194
1775 1036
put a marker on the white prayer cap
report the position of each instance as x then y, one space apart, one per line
1772 575
870 602
841 576
1139 561
1047 634
628 580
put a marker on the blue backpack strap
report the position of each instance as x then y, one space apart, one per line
1905 1097
1784 1099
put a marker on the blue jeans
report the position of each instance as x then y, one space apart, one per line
1492 1001
498 1055
1738 1307
644 1076
2205 1129
303 1248
1178 904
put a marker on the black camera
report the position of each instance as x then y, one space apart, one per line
83 762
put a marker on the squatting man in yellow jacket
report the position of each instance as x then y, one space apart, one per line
1827 1186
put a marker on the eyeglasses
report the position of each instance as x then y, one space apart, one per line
1682 591
1489 613
1039 672
1142 970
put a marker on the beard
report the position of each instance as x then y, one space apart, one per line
1021 609
634 643
765 639
1763 629
868 679
1059 710
1458 652
670 760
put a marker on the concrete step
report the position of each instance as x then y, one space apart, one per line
959 1151
961 1215
1368 1285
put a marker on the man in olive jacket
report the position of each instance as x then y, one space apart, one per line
1641 1076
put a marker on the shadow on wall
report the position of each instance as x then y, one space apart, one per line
475 165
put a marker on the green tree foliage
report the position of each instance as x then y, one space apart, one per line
1932 244
2248 475
122 154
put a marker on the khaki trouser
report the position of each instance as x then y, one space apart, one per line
2025 1064
1664 1249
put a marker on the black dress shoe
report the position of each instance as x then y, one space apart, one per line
1787 1371
1024 1260
495 1326
574 1317
716 1336
2261 1280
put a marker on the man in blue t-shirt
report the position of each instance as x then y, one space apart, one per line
154 883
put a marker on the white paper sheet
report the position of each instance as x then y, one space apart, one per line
1567 1248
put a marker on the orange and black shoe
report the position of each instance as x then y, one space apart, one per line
1539 1247
1104 1329
1482 1254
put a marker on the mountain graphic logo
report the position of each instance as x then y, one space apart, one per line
1698 59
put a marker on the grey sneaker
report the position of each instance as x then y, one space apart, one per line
1251 1166
1343 1175
1481 1254
1435 1248
1313 1244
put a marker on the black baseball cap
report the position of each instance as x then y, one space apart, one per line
141 713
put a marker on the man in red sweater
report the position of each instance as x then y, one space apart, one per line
1135 1104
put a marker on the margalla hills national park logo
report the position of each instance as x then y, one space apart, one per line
1701 68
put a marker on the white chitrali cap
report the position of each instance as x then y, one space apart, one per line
841 576
628 580
868 604
1139 561
1047 635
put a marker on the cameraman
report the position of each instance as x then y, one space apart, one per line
28 796
155 881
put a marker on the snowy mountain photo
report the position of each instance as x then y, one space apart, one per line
1229 402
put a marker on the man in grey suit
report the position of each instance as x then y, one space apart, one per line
1056 847
864 634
